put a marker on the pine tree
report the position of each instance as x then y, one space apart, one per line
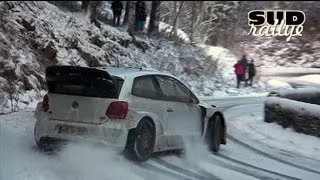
154 17
127 14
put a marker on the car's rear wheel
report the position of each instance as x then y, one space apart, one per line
214 134
140 141
47 143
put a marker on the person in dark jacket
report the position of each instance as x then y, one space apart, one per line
244 60
116 7
141 15
240 71
251 71
85 5
245 77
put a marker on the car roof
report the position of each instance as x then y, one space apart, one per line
129 71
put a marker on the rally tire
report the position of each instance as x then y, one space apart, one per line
140 142
214 134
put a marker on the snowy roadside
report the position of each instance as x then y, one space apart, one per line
247 122
288 70
20 158
243 121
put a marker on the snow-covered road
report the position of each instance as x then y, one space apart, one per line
255 150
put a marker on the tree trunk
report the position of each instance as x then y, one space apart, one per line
127 14
176 22
193 20
202 28
85 6
93 12
94 9
154 18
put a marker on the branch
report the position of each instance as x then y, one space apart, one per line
175 21
208 21
166 14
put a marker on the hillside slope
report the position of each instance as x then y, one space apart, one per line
300 51
34 35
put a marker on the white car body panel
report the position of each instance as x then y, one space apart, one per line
113 133
185 120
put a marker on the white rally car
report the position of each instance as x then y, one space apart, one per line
137 111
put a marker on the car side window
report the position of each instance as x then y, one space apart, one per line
167 87
183 94
144 86
173 90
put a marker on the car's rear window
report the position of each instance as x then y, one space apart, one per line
81 81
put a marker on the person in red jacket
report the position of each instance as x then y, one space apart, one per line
240 70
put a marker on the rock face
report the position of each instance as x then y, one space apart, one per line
289 110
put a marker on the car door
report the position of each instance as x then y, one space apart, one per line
182 117
146 97
191 111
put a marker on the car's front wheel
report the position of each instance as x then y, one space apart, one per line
214 134
140 141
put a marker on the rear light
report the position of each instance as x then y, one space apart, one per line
45 103
117 110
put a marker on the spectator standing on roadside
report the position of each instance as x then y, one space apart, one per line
116 7
251 71
239 71
141 15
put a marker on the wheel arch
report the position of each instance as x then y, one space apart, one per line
149 119
130 149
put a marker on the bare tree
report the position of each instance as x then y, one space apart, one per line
154 17
193 20
14 95
92 8
127 14
176 20
85 6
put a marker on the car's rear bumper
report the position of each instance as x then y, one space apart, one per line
107 133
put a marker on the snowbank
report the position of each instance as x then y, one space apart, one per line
247 123
276 84
312 79
307 95
289 71
303 117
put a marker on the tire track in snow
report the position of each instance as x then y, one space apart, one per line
240 170
138 167
186 172
237 141
165 172
220 164
254 167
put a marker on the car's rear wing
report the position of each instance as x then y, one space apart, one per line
80 81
